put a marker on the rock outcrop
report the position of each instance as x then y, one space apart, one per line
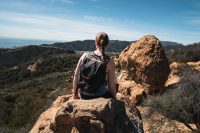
130 89
179 70
146 63
88 116
194 65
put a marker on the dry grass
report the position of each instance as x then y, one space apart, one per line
176 110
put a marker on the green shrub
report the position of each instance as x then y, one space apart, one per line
183 102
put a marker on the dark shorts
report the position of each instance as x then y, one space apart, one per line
106 95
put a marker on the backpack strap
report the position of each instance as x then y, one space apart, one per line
107 59
99 58
86 55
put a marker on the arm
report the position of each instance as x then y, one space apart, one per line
75 79
111 77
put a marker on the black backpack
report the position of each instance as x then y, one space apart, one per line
92 72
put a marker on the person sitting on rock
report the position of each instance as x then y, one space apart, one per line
95 72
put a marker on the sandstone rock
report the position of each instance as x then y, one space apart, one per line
130 89
123 76
88 116
195 65
172 80
174 76
179 70
46 119
146 63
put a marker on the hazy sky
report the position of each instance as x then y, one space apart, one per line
67 20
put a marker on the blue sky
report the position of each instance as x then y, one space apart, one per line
67 20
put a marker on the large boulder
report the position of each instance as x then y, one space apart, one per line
88 116
146 63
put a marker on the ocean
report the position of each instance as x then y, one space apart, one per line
12 43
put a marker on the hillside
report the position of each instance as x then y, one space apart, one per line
88 45
185 54
19 55
30 79
114 46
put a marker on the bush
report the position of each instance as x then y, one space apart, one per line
184 54
183 102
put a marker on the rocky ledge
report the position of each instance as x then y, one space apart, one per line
88 116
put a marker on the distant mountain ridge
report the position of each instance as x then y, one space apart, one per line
13 56
115 45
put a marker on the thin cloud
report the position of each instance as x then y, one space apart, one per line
108 19
97 18
34 26
58 28
65 1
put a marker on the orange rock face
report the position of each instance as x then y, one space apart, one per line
146 63
130 89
